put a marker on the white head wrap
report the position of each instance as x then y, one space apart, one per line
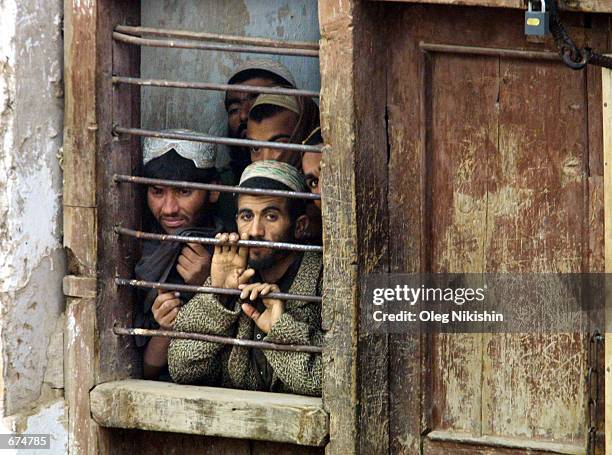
202 154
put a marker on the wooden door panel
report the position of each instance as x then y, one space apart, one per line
503 145
505 197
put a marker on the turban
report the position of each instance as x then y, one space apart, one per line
203 155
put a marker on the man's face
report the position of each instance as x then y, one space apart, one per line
175 208
239 104
277 128
264 218
311 166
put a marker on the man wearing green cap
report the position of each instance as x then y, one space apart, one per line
257 73
257 272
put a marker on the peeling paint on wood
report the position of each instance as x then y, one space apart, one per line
507 146
339 233
80 359
607 188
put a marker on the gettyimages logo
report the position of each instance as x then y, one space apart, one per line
412 296
479 303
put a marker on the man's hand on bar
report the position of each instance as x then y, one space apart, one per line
194 264
165 308
229 262
274 307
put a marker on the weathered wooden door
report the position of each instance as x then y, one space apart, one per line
503 145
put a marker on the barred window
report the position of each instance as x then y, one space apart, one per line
169 83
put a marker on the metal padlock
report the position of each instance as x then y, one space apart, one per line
537 22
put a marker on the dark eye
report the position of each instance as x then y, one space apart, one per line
157 192
185 192
313 183
233 110
255 150
245 216
272 217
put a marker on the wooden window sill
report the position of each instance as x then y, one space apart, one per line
210 411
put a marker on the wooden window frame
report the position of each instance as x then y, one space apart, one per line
102 364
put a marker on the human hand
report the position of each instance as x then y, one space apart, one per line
274 307
228 267
194 264
165 308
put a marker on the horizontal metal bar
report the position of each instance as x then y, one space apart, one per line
211 241
215 187
489 51
217 339
170 43
218 140
213 86
210 290
231 39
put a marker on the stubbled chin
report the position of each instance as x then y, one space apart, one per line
259 253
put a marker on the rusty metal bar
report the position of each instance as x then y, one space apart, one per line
489 51
215 187
230 39
170 43
213 86
217 339
210 290
211 241
217 140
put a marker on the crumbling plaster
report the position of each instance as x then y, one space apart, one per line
32 259
49 419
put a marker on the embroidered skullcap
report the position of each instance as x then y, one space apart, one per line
263 173
270 66
202 154
284 101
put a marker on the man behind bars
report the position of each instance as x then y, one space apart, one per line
311 167
257 73
257 272
284 119
180 211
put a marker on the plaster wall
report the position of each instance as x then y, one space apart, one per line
31 258
200 110
49 419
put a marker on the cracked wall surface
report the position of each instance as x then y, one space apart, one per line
32 258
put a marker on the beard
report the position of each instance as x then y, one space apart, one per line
267 261
270 257
241 134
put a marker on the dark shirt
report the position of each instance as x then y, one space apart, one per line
158 263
